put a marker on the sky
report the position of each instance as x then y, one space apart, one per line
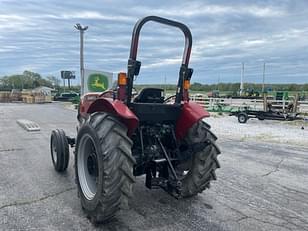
40 36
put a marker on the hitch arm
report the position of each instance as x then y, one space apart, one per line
168 159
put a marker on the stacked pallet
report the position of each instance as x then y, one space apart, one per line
26 96
39 99
15 95
48 99
28 99
5 96
35 97
25 93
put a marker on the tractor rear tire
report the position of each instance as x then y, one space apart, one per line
59 150
203 163
103 166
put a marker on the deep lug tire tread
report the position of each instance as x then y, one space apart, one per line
204 162
117 166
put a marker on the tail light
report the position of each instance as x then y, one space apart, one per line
186 84
122 79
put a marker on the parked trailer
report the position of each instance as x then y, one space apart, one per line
244 115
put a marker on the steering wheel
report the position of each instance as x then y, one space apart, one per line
134 92
106 93
169 99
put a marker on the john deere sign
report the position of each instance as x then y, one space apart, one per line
97 81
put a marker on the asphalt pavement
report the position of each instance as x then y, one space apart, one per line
260 186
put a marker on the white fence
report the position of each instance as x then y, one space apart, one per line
253 103
303 106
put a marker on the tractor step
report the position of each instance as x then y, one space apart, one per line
162 160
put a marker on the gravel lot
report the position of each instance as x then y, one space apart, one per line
262 184
270 131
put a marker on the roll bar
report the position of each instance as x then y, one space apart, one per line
134 65
181 26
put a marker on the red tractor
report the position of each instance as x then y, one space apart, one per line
121 136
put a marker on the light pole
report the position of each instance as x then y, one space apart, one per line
242 80
263 82
81 30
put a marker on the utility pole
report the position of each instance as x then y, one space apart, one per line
242 78
165 91
263 82
81 30
22 82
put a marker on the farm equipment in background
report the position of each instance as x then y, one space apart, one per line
243 114
120 136
213 94
251 93
272 110
282 95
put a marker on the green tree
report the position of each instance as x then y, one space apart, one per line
27 80
54 80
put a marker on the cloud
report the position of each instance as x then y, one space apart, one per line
163 62
200 8
90 15
40 35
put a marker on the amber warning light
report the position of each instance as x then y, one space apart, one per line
186 84
122 78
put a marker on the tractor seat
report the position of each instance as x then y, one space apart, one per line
150 95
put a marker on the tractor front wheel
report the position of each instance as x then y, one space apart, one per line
198 171
104 166
59 150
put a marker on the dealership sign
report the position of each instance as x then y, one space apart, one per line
97 81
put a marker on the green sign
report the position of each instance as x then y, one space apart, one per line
97 82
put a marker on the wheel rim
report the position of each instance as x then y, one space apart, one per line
54 152
87 166
242 118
